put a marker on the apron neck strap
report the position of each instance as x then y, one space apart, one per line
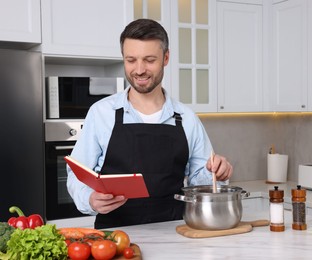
178 119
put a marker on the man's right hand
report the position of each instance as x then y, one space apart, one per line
105 203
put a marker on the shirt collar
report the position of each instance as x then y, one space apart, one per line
170 106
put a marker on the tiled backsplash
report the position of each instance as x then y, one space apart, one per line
246 139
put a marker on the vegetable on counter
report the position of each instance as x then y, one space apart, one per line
78 233
42 243
128 253
5 233
46 242
121 239
103 244
22 222
103 250
79 251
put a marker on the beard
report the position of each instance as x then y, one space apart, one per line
143 89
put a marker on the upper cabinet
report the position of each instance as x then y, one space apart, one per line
193 59
241 55
225 55
215 52
289 78
84 28
263 56
240 52
20 22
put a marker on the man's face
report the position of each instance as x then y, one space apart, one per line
144 63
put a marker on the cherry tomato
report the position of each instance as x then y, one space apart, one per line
128 252
103 249
121 239
79 251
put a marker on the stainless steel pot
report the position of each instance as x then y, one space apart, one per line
212 211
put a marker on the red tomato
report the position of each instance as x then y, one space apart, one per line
79 251
103 249
121 239
128 252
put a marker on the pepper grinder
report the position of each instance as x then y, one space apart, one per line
299 208
276 210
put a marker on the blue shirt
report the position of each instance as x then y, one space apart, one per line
90 149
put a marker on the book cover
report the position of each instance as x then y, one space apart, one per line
129 185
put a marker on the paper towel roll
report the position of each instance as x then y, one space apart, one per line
277 167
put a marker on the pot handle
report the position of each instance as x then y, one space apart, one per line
245 194
184 198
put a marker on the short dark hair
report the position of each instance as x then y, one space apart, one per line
145 29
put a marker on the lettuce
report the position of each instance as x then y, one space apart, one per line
41 243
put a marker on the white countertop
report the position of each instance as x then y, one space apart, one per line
161 241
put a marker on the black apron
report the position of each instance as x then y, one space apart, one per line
158 151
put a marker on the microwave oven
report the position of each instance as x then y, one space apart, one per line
71 97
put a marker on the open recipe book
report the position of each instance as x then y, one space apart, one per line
129 185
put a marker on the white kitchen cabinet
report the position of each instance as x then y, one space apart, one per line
289 88
195 79
193 56
84 28
20 21
240 57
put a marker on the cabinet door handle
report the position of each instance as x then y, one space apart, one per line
303 106
221 107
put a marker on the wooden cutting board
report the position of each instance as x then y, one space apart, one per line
243 227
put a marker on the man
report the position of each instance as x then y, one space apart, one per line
143 130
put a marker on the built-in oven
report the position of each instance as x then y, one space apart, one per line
60 138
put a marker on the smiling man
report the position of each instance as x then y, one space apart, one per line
143 130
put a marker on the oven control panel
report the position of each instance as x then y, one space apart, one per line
62 130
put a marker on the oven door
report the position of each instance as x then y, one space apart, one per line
59 204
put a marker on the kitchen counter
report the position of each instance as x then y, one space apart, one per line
160 241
